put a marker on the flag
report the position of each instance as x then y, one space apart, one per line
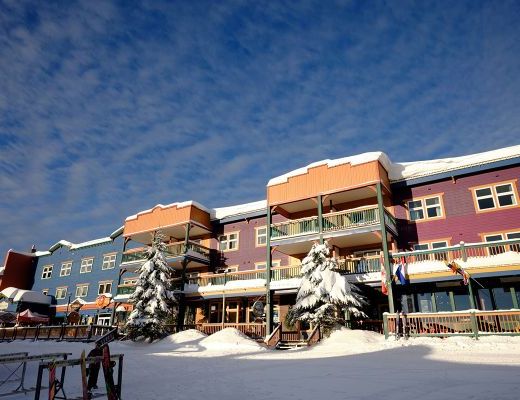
457 269
401 272
384 287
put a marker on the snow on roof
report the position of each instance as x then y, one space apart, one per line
416 169
223 212
178 205
352 160
410 170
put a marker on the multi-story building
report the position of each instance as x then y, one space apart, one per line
375 215
82 278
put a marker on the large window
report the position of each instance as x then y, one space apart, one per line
66 267
425 208
61 293
47 272
442 301
109 261
228 242
495 196
82 290
86 265
261 236
104 287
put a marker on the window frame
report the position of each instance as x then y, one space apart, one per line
83 270
69 269
429 246
274 264
61 288
495 196
109 262
257 236
228 240
82 285
104 284
424 208
47 271
504 235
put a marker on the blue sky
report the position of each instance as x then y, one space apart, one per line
108 108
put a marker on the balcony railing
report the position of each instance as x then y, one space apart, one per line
470 252
172 250
124 290
359 265
337 221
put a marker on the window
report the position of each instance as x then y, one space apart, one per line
47 272
104 287
425 208
495 196
228 242
66 267
261 236
109 261
86 265
61 293
81 290
130 281
263 264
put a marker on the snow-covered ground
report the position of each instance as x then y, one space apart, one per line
348 365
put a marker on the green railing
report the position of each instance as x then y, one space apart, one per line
302 226
359 265
172 250
336 221
288 272
125 290
350 219
462 251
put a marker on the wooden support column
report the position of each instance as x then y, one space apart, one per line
386 255
320 217
268 295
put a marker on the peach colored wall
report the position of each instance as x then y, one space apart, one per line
322 179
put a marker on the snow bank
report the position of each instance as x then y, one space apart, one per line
191 335
351 341
230 339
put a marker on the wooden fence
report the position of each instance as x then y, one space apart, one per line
59 332
470 323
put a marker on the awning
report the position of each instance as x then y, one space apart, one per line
31 317
27 296
120 309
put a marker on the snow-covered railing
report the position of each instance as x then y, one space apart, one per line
59 332
286 272
468 255
253 330
460 323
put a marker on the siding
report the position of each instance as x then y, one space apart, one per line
462 222
92 278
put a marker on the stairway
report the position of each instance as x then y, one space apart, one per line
287 345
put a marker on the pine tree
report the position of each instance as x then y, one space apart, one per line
324 294
153 298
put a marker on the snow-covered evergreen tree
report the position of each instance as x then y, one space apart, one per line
153 298
324 294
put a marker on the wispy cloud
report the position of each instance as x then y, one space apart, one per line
109 108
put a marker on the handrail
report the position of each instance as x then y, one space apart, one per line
274 338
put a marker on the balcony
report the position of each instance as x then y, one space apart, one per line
359 265
192 250
332 222
125 290
482 257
